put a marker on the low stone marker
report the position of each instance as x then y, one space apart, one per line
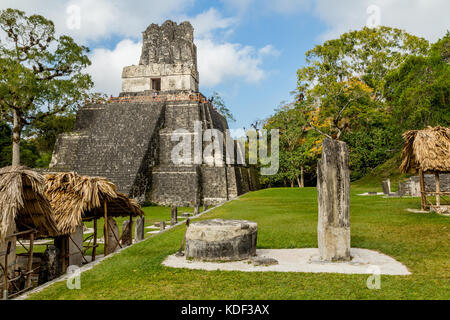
386 185
113 235
221 240
162 225
51 265
75 245
139 229
127 237
196 209
333 186
173 216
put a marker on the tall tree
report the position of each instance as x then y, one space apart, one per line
418 92
342 84
41 74
298 144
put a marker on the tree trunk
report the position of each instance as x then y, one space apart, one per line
298 182
17 130
302 177
292 183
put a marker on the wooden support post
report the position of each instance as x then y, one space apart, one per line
438 189
94 248
30 261
173 216
5 272
106 234
422 190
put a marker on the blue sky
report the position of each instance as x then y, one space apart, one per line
248 50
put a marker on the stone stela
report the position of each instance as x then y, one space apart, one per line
333 186
128 140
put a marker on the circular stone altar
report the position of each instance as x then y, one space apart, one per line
221 240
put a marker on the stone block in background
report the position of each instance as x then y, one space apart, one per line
113 235
127 238
221 240
386 185
139 229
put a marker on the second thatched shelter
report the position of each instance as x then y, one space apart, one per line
76 198
427 151
25 213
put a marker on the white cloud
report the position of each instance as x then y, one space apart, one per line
425 18
209 21
219 61
103 18
107 65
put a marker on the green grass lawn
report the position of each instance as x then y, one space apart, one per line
287 218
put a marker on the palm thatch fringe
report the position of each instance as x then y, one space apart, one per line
427 149
23 201
74 197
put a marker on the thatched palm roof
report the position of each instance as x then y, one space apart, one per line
74 197
22 199
427 149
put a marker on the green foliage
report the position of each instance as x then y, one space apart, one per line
41 74
32 156
220 105
5 144
419 90
299 146
341 86
368 87
46 130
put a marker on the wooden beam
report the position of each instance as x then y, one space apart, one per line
438 189
30 261
106 228
422 190
5 272
94 248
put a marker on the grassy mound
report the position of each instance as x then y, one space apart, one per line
388 170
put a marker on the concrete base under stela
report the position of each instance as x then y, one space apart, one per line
363 261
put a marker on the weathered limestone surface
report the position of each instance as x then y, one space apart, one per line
113 235
139 229
130 142
169 43
217 239
386 185
51 266
75 256
168 54
333 186
127 238
411 186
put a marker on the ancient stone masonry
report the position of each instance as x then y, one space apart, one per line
129 141
411 186
221 240
333 186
